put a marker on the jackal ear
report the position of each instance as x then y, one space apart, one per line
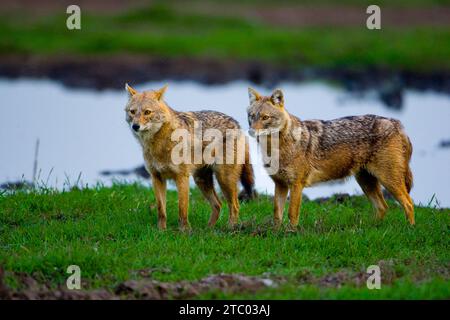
253 95
130 90
159 94
277 98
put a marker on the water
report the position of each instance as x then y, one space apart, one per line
84 131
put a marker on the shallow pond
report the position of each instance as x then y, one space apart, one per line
83 132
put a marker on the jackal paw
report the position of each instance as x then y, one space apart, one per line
185 227
162 225
277 225
291 228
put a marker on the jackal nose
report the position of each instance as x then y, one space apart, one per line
135 127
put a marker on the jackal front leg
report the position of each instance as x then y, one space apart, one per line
159 187
279 200
295 204
183 201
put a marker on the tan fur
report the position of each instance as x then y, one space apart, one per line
373 149
157 121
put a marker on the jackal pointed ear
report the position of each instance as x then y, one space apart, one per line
159 94
253 95
131 91
277 98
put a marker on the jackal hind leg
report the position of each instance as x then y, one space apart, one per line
204 181
228 176
392 177
372 189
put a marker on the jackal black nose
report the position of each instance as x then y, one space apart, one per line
135 127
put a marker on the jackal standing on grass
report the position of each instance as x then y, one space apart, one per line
153 123
374 149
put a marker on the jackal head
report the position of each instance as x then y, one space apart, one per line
266 115
146 112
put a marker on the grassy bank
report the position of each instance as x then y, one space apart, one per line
160 30
110 233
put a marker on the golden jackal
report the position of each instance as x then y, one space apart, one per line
155 124
374 149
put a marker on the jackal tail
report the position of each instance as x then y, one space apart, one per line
247 177
408 175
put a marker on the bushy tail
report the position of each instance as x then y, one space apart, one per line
408 174
247 177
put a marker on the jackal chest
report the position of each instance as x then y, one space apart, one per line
285 174
289 169
160 163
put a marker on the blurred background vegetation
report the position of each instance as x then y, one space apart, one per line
415 34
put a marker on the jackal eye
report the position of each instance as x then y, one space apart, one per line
132 111
147 112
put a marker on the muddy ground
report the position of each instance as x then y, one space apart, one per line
146 288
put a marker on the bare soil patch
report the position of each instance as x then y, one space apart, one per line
147 288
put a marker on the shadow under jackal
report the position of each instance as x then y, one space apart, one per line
374 149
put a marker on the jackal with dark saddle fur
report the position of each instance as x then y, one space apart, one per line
374 149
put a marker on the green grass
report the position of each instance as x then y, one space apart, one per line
159 30
111 232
